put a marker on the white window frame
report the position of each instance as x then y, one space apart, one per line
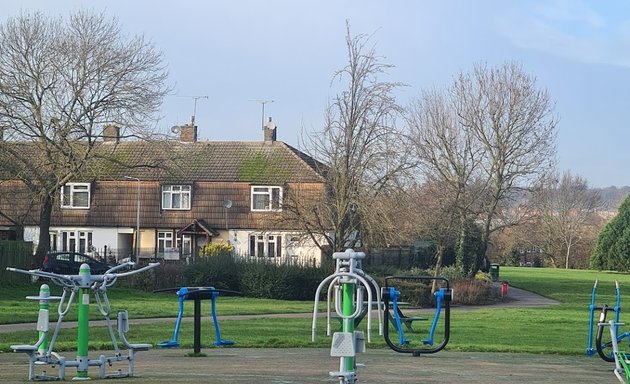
271 198
176 192
259 243
68 192
72 240
184 244
164 238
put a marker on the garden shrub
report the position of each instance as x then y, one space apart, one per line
220 271
471 292
216 249
280 281
165 276
451 273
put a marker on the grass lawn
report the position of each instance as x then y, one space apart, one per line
558 329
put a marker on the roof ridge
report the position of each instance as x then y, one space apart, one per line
294 151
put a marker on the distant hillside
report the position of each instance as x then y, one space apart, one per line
613 196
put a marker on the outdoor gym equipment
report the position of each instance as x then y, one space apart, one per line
603 345
348 284
622 364
443 297
196 294
80 285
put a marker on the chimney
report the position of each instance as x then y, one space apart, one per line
111 134
188 132
270 131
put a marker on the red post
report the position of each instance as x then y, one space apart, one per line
504 288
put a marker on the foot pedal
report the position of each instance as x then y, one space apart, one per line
343 345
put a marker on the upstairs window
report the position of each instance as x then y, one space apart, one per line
266 198
75 195
176 197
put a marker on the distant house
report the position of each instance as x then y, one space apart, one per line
190 193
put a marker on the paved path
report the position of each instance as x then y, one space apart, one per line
516 298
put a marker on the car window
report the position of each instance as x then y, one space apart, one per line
82 259
63 257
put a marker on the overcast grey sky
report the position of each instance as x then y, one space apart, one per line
235 51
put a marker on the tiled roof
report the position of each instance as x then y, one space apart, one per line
217 171
232 161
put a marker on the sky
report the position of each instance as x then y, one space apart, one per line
232 57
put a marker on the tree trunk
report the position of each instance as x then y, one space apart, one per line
43 245
19 232
566 261
439 254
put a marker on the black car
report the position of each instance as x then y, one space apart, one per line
68 263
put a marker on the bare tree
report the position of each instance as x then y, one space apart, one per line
566 207
61 82
512 119
490 135
360 146
450 161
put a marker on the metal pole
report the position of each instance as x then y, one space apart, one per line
137 255
83 326
262 118
348 297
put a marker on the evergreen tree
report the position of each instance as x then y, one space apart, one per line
612 251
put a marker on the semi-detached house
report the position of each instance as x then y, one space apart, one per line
183 194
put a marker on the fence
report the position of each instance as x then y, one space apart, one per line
17 254
291 260
400 257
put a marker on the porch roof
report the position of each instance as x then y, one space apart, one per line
198 227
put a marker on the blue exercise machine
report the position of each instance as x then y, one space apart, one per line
391 296
196 294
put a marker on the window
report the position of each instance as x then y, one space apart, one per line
75 195
53 241
265 246
176 197
185 244
167 245
266 198
165 241
73 241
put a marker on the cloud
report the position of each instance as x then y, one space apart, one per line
570 10
570 29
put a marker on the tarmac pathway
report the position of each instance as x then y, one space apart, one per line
516 298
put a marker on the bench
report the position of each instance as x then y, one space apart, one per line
408 320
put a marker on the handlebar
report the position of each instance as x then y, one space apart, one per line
86 281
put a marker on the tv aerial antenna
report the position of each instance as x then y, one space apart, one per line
195 98
262 102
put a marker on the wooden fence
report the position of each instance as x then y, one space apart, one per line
17 254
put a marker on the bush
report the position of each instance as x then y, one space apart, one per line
282 282
220 271
452 273
164 276
216 249
470 292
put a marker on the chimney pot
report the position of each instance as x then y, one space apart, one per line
270 131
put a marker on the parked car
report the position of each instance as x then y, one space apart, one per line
68 263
